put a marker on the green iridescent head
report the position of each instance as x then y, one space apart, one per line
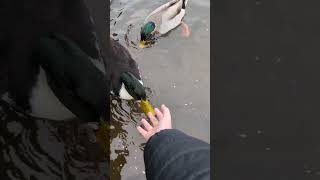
147 31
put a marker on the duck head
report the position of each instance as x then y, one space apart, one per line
147 33
131 88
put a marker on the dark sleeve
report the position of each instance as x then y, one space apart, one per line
171 154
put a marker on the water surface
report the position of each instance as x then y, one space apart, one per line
175 69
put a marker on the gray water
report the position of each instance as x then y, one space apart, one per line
175 69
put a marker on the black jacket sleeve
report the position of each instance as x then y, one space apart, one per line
173 155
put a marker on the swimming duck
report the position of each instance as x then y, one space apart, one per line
162 20
69 84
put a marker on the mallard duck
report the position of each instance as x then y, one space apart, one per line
162 20
68 84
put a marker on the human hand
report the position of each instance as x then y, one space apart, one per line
164 119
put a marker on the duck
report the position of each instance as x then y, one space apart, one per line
162 20
70 84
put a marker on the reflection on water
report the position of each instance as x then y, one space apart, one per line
42 149
124 147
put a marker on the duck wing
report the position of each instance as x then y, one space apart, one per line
17 36
72 76
172 11
172 17
157 13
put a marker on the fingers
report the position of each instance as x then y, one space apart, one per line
163 114
165 111
142 131
158 113
153 119
146 125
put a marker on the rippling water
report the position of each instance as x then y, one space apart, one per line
176 69
42 149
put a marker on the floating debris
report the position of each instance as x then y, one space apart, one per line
126 35
120 14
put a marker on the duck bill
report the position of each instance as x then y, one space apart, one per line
142 44
146 107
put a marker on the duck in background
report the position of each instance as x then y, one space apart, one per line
162 20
